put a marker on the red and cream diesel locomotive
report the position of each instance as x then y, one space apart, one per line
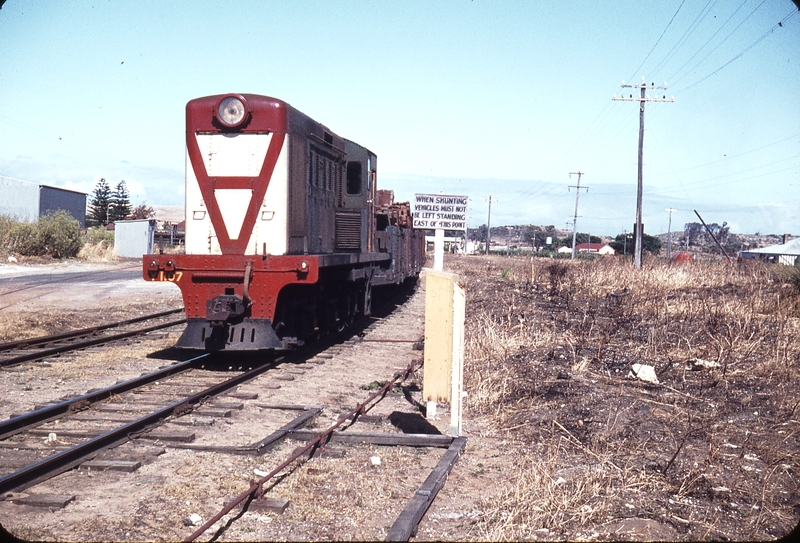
286 232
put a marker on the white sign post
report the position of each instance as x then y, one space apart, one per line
440 212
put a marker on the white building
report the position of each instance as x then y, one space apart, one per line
27 201
786 253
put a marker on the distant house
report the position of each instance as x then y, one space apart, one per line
599 248
27 201
564 249
786 253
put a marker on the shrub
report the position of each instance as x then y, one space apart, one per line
56 235
59 235
100 236
23 238
6 223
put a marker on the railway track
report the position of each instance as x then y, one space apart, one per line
136 408
141 435
405 525
67 420
60 418
26 350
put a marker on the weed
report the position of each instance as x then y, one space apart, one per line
789 275
374 385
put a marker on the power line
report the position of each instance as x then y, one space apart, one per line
731 33
607 122
726 158
711 38
689 31
636 71
746 49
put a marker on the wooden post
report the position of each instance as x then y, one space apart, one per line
457 366
444 344
438 249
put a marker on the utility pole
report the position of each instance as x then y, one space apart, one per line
669 233
575 219
489 226
624 242
637 259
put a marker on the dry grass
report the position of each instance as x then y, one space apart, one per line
707 453
97 252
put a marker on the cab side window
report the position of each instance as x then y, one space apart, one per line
354 177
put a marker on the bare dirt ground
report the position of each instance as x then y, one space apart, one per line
563 443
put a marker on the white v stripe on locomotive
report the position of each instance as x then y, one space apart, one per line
240 180
233 155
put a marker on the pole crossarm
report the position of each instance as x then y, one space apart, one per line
645 97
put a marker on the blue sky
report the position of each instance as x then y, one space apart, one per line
467 97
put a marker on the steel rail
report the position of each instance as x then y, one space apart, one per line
31 342
321 438
83 344
365 340
16 424
69 458
407 522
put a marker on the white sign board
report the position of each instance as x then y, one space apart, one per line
440 211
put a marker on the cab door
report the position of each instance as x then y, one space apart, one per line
355 211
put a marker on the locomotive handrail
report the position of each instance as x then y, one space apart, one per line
248 272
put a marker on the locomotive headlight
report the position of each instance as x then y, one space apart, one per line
232 111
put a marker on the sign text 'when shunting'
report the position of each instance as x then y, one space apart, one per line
445 211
